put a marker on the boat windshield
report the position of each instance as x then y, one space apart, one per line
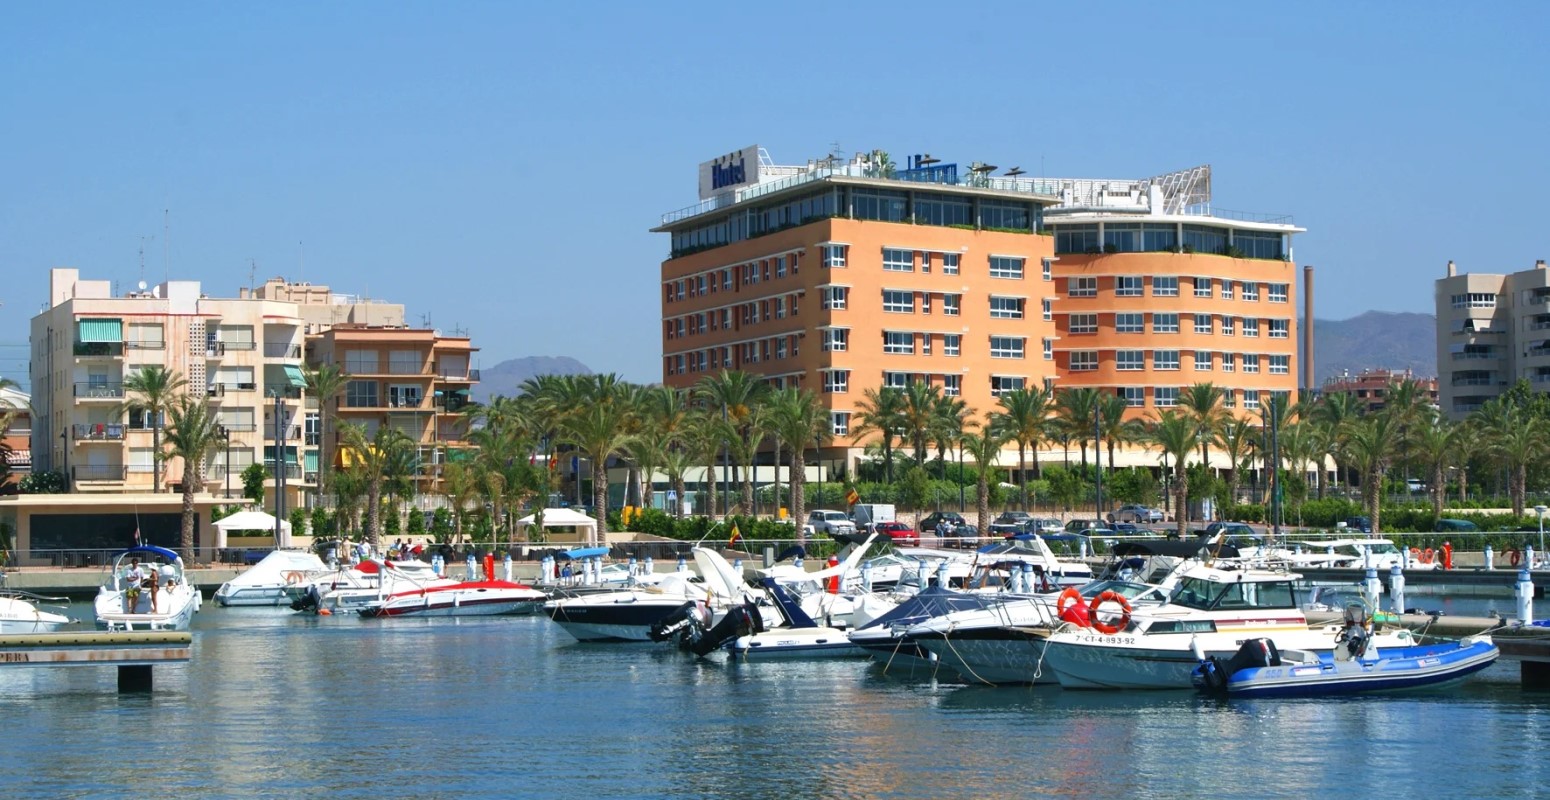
1126 588
1210 596
1383 549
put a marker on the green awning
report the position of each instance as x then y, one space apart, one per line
460 455
312 460
290 454
100 330
293 372
283 375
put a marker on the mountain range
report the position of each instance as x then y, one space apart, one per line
505 378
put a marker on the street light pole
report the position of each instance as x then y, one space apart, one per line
226 435
1540 510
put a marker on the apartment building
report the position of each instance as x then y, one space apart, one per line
846 275
414 380
243 356
1371 387
1492 329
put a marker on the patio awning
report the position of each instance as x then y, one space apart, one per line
99 330
284 375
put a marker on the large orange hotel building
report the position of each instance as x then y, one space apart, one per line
844 274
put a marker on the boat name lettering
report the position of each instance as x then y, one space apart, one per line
14 658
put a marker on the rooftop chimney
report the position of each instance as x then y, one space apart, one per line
1540 264
1452 270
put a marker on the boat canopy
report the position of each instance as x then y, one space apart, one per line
586 552
1172 547
151 549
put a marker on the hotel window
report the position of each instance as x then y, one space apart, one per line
780 266
1165 286
1076 239
678 327
780 347
1251 398
678 364
1122 237
1251 292
726 280
951 304
1202 361
834 255
1049 309
839 423
679 286
1228 324
1001 384
1280 365
836 381
898 302
1047 267
952 385
1049 349
925 343
1202 287
898 342
1084 360
764 307
925 261
896 380
699 285
1165 359
780 308
360 394
1165 396
1474 300
1278 328
949 263
1083 323
1226 289
764 269
1135 396
726 318
1165 323
667 293
1251 326
1250 362
834 297
951 344
1278 292
925 302
1006 267
360 362
1203 324
1082 287
1006 307
1006 346
836 340
1130 360
1129 286
898 260
1229 398
1229 362
1130 323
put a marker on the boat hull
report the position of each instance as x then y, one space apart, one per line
610 621
992 655
492 607
179 613
1404 669
255 596
795 643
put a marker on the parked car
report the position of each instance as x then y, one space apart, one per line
952 518
1415 485
1085 525
1446 525
1231 529
899 533
1363 524
1136 513
1009 521
1047 525
1131 529
824 522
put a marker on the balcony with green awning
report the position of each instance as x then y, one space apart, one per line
99 337
284 380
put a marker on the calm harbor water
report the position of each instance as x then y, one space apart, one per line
278 705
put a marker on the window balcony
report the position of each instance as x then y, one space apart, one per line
146 344
292 471
99 472
99 349
1474 356
1469 381
282 350
99 391
238 427
98 432
282 390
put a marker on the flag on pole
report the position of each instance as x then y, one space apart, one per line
137 536
737 536
852 497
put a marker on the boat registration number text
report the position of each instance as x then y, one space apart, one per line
1100 639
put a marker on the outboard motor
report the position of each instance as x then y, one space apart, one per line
311 601
1213 673
675 623
740 621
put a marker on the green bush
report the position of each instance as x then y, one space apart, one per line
298 521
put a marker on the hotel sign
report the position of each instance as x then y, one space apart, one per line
729 172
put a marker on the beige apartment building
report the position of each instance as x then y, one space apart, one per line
1492 329
843 276
243 355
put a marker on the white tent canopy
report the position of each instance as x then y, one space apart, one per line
250 521
563 518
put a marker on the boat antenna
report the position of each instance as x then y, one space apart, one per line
708 532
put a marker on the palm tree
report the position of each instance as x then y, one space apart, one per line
984 447
948 421
324 383
1115 430
1434 444
1203 403
798 417
1074 409
599 431
674 464
1023 418
1517 440
880 411
193 434
1177 433
376 455
916 415
1372 441
1334 414
736 394
153 389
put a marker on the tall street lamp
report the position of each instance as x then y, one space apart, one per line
1540 510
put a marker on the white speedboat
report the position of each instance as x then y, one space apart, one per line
629 614
280 578
19 613
1381 554
467 599
800 636
148 591
352 588
1209 614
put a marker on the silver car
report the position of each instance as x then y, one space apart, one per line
1138 514
825 522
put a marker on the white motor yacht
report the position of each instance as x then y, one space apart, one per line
19 613
280 578
147 591
629 614
482 598
352 588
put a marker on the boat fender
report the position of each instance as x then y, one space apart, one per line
1415 554
1124 618
1072 608
1447 555
1428 556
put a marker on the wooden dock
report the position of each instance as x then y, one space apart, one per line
133 652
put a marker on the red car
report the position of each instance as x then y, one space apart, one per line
899 533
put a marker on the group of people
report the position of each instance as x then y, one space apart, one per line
139 578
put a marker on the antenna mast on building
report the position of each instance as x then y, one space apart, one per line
166 244
252 271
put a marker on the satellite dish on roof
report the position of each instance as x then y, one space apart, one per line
142 285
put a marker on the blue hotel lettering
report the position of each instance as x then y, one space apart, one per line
726 176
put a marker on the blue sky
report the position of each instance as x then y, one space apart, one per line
496 166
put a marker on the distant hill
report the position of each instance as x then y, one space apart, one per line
505 377
1376 339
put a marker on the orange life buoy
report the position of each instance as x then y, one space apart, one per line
293 577
1515 556
1428 556
1124 617
1415 554
1070 594
1447 555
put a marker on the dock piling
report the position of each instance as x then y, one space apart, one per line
1524 590
1397 588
